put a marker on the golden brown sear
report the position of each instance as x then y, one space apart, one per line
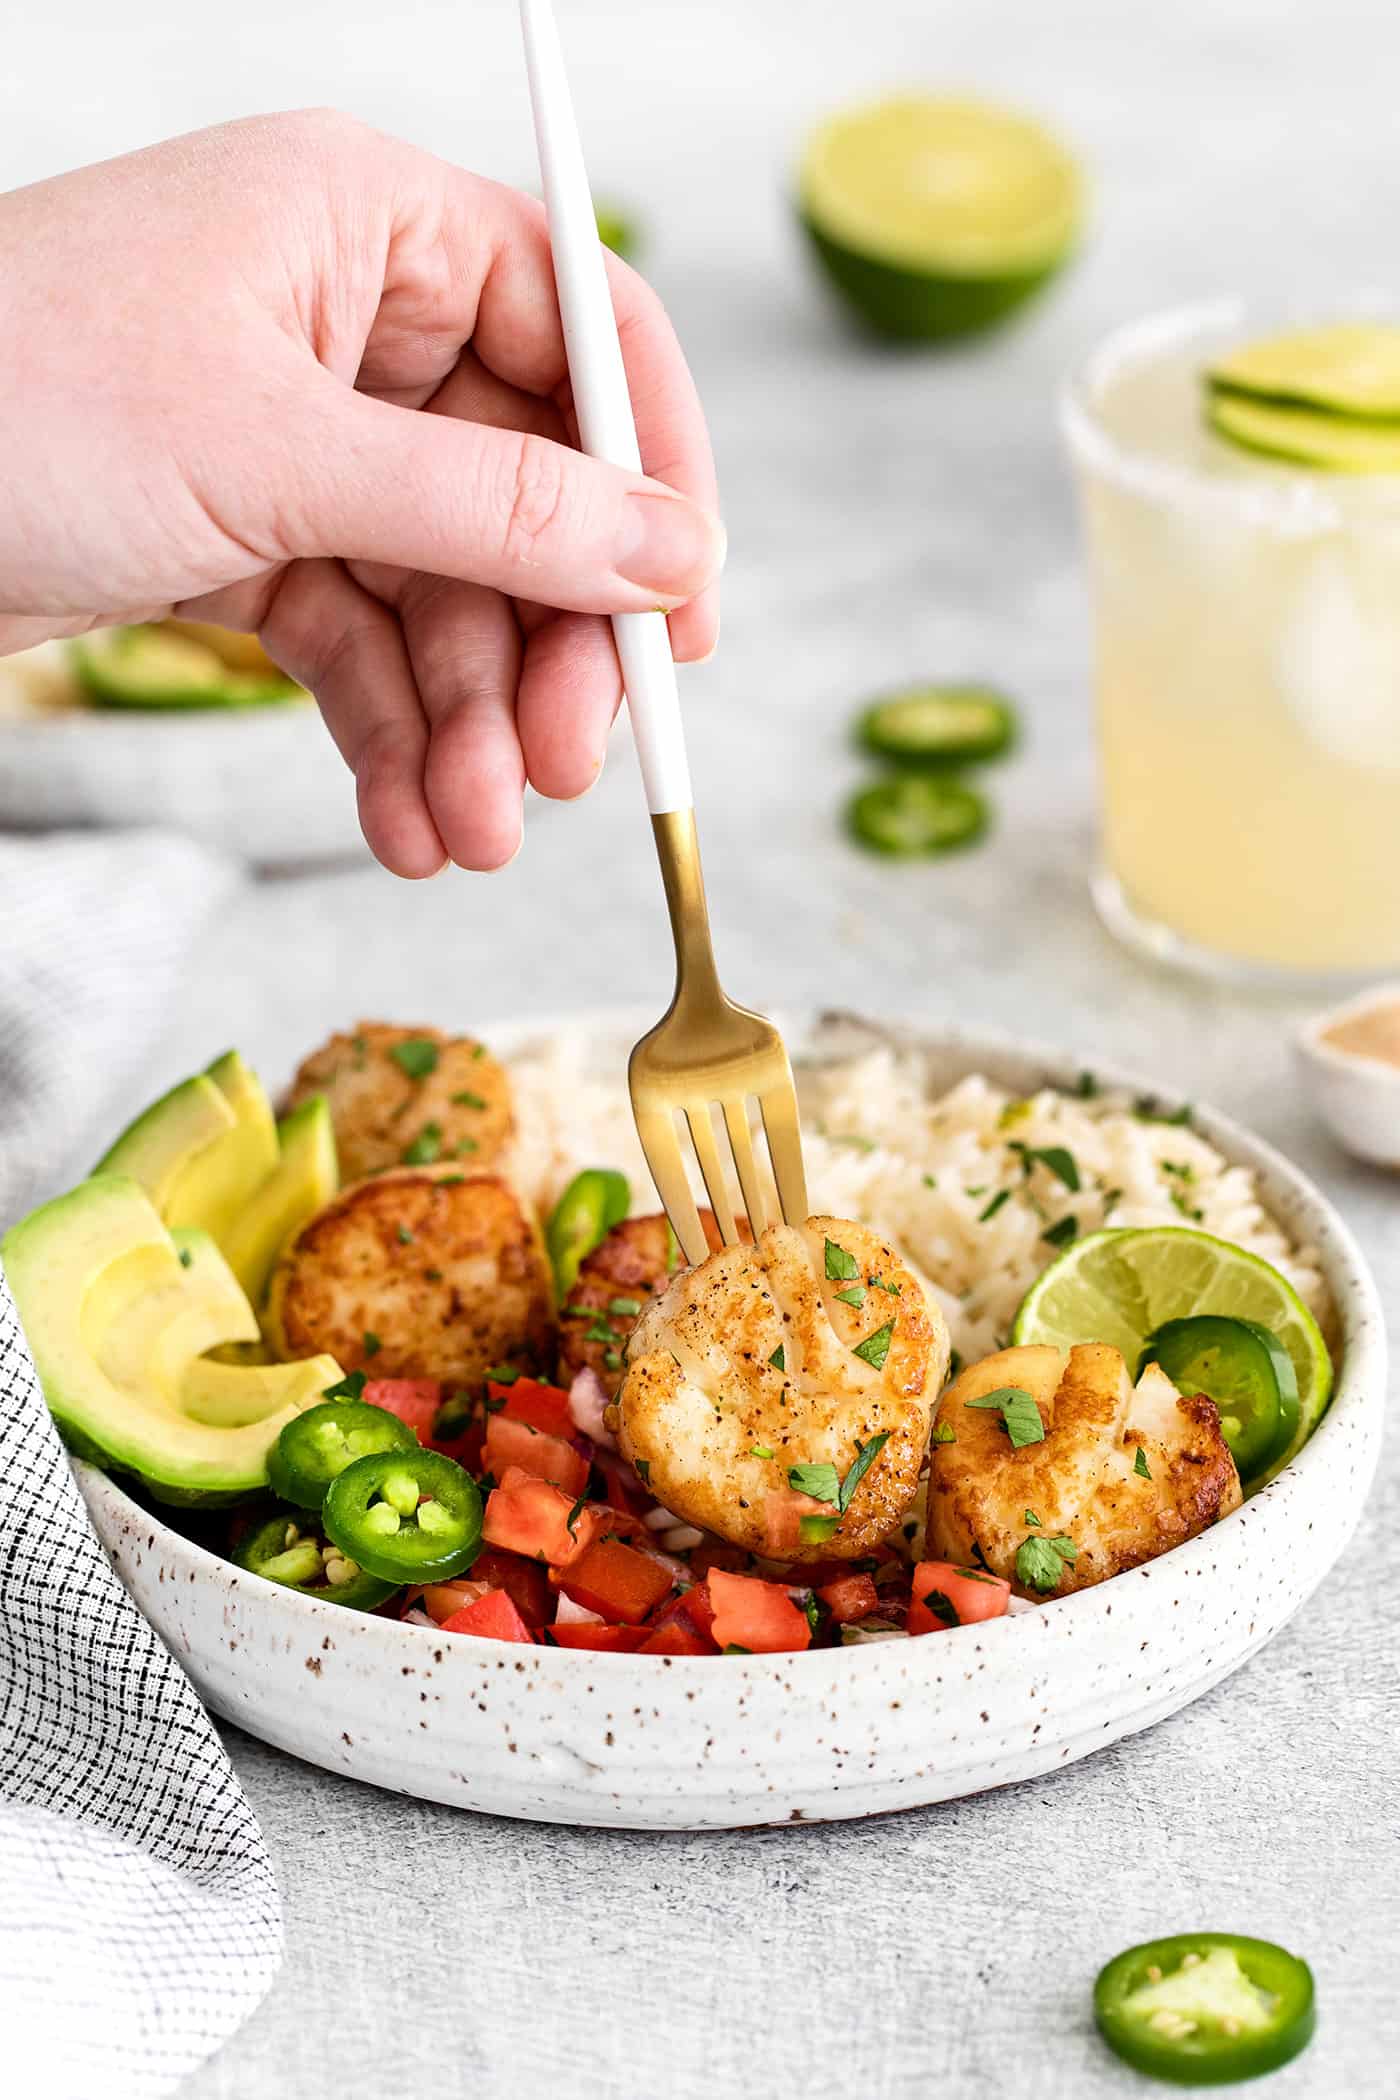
1084 1481
615 1282
418 1273
409 1095
814 1352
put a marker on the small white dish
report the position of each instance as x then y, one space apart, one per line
1356 1093
677 1743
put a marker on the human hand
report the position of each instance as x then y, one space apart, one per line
292 376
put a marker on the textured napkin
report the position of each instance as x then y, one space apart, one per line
140 1921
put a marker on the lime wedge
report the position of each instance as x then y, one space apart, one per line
934 218
1312 436
1119 1287
1351 368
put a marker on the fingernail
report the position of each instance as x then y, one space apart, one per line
669 545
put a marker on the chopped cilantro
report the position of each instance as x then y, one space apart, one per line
733 1648
417 1057
841 1267
1002 1196
642 1468
891 1290
574 1514
930 1181
350 1387
1014 1112
478 1050
464 1146
980 1557
812 1612
185 1257
1111 1200
612 1360
779 1358
625 1308
1030 1517
866 1455
451 1181
876 1347
942 1434
432 1276
371 1343
942 1607
760 1451
467 1099
854 1296
1061 1232
1140 1464
821 1482
404 1236
1086 1086
503 1374
853 1137
1148 1109
1180 1202
1041 1561
971 1575
425 1147
1054 1158
1018 1411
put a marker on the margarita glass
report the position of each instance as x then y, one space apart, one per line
1247 640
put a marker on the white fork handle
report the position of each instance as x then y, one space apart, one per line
601 399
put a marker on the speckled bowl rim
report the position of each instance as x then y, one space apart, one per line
1291 1197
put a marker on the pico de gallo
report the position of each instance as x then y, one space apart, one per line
500 1515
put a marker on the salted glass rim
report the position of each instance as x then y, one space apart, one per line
1283 497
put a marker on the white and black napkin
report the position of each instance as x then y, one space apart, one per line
140 1922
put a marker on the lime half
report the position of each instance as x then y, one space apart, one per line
1119 1287
934 218
1350 368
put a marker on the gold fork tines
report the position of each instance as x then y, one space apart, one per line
708 1054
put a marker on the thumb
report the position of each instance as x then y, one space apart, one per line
505 508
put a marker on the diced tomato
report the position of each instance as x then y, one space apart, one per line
616 1580
414 1400
531 1517
945 1596
525 1582
691 1609
755 1615
584 1634
783 1512
510 1442
850 1597
492 1616
676 1637
544 1407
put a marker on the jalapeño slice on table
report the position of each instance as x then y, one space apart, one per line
407 1516
595 1201
314 1447
1205 2008
292 1550
1245 1369
938 725
916 813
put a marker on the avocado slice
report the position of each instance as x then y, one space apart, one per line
202 1150
153 667
119 1314
305 1178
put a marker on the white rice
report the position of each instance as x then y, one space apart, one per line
941 1175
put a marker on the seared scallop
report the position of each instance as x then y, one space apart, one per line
780 1394
409 1095
1123 1471
424 1272
615 1282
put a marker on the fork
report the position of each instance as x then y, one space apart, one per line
706 1055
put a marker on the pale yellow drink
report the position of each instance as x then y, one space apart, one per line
1247 634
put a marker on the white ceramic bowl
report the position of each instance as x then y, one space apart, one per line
681 1743
1357 1097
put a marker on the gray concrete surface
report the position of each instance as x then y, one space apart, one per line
888 516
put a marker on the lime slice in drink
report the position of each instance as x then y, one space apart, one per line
1119 1287
1350 368
1311 436
934 218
